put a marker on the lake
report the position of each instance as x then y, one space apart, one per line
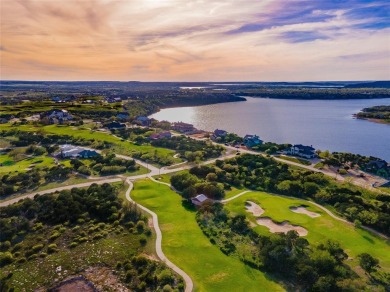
325 124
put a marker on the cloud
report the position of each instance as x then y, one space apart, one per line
302 36
194 39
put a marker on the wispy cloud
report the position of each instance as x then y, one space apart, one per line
195 39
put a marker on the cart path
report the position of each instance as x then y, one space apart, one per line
160 253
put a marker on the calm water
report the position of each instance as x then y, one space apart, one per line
325 124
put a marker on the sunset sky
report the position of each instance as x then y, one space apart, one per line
203 40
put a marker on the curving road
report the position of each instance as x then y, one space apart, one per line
160 253
82 185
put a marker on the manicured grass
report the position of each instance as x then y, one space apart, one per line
9 165
295 159
234 191
354 241
186 245
121 146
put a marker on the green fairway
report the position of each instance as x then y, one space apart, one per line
186 246
121 146
354 241
8 165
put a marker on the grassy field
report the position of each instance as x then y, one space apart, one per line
186 245
234 191
8 165
294 159
354 241
121 146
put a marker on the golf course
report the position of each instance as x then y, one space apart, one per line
185 245
353 240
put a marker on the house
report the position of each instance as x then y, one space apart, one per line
86 153
123 116
302 151
56 99
220 133
183 127
199 200
113 99
58 115
115 125
70 151
157 136
142 120
252 140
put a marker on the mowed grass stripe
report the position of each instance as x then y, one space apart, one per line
185 245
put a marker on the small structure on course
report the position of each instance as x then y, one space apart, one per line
199 200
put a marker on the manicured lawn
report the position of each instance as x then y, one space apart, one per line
354 241
186 245
234 191
9 165
121 146
294 159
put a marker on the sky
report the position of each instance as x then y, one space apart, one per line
195 40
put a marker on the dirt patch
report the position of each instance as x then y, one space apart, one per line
303 210
283 227
79 284
253 208
104 279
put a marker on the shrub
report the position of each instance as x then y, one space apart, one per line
167 288
73 244
21 260
37 247
5 245
140 226
54 235
165 277
143 240
5 258
52 248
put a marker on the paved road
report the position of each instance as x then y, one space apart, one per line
82 185
160 253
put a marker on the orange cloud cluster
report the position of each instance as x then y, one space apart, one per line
191 40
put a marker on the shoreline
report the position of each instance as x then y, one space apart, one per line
372 120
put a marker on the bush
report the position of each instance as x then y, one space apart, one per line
5 258
5 245
140 226
165 277
143 240
37 247
52 248
167 288
54 235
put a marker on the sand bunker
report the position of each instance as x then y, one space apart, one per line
253 208
303 210
280 227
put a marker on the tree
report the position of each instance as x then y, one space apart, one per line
368 262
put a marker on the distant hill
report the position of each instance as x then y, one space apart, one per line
375 84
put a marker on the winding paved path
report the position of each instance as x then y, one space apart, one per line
160 253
